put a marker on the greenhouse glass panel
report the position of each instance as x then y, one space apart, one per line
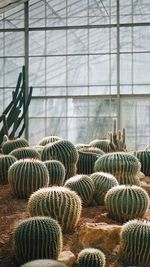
56 71
12 68
126 69
141 68
36 133
55 13
37 71
77 91
37 43
99 72
36 13
56 42
77 70
56 126
77 12
78 107
99 128
37 108
55 91
78 130
56 107
141 39
77 41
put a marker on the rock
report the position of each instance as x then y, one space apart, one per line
67 257
99 235
146 186
140 175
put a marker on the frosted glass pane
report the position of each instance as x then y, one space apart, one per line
126 39
55 91
99 128
126 89
56 107
37 13
55 13
37 108
78 107
77 130
77 41
38 91
14 18
143 117
104 107
37 71
36 133
77 12
56 126
141 68
1 72
55 71
36 43
143 89
141 37
13 66
125 11
141 11
99 11
126 69
77 91
77 70
99 70
55 42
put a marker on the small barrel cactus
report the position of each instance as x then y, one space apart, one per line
26 176
37 238
25 152
126 202
87 158
5 162
56 172
120 164
38 148
83 186
57 202
102 183
135 243
91 257
144 158
63 151
49 139
44 263
10 145
104 145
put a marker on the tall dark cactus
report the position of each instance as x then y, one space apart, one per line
13 117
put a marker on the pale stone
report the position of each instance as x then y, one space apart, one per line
140 175
146 186
67 257
99 235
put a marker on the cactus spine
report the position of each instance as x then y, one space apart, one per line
44 263
102 183
49 139
91 257
56 172
10 145
144 158
59 203
126 202
5 162
120 164
135 243
83 186
63 151
25 152
37 238
26 176
101 144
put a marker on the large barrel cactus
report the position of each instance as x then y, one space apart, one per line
49 139
37 238
44 263
83 186
10 145
91 257
26 176
5 162
144 158
102 183
63 151
59 203
104 145
25 152
120 164
56 172
126 202
135 243
87 158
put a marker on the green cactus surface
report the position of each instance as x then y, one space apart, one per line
10 145
125 203
83 185
135 243
44 263
37 238
104 145
120 164
57 202
5 162
144 158
49 139
91 257
25 152
26 176
56 172
102 183
63 151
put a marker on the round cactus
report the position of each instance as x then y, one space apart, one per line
5 162
44 263
144 158
104 145
56 172
120 164
87 158
49 139
91 257
38 148
135 243
126 202
25 152
83 186
63 151
37 238
102 183
10 145
26 176
59 203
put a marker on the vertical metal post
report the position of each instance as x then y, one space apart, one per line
26 53
118 64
